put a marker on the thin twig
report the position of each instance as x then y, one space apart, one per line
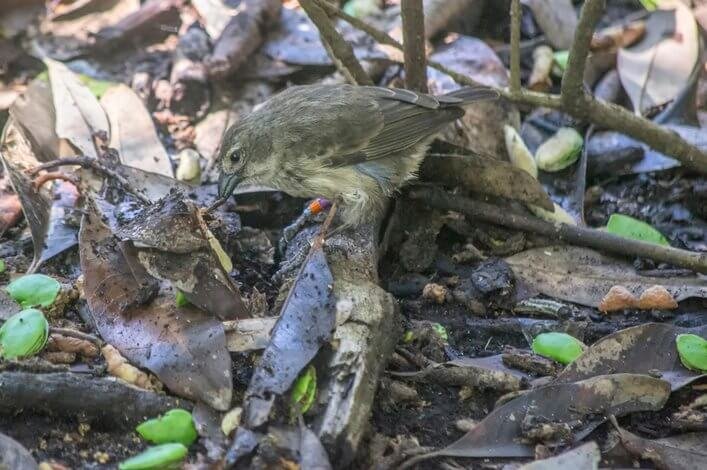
580 236
414 45
515 46
91 164
604 115
340 51
41 180
77 334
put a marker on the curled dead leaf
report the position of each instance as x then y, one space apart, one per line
656 297
119 367
618 298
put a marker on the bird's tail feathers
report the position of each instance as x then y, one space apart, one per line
472 93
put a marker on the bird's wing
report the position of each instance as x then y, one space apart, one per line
408 118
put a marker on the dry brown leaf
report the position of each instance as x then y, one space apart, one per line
658 68
133 133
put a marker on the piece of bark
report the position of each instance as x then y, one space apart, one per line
154 21
69 394
364 342
242 36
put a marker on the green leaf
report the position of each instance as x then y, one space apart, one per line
559 347
628 227
3 267
304 390
180 299
561 58
33 290
176 425
408 337
158 457
23 334
693 351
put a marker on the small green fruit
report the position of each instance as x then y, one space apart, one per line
559 151
693 351
158 457
559 347
34 290
24 334
518 153
176 425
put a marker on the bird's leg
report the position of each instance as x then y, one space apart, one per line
313 209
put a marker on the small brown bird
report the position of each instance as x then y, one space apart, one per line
356 145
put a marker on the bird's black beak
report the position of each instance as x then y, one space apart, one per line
226 184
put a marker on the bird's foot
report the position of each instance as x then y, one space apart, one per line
313 209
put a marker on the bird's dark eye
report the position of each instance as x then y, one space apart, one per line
235 156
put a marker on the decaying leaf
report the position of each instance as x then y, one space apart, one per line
682 452
133 134
14 456
584 276
658 68
81 115
584 457
171 244
70 33
637 350
306 323
184 347
583 405
51 234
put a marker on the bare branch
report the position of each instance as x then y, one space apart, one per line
580 236
340 51
573 94
597 112
414 45
515 47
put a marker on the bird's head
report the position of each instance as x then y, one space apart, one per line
241 159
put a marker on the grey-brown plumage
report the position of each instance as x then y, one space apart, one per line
353 144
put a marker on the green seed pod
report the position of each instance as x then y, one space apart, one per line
518 153
34 290
560 215
176 425
158 457
693 351
559 347
304 391
559 151
23 334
